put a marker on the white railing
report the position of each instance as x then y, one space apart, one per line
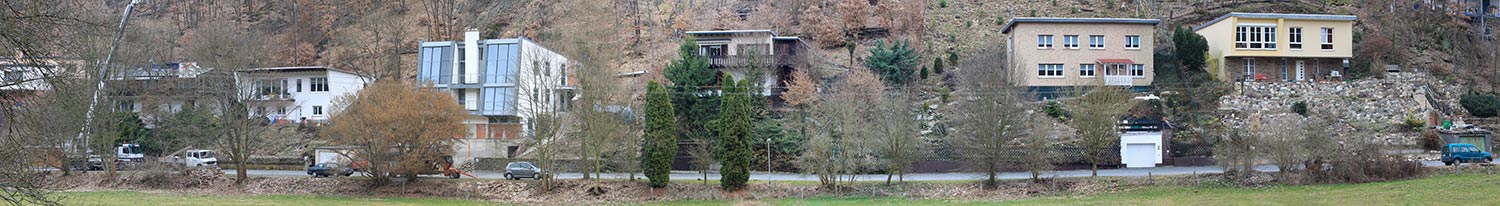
1117 80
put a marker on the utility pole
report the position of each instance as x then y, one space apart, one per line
83 133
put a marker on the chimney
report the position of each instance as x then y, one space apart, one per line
471 55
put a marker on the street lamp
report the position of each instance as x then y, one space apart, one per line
768 159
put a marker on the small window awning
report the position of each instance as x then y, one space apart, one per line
1115 61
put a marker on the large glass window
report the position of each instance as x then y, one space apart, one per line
1049 70
1255 37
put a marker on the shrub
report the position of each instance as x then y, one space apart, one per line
1055 110
937 66
952 57
1431 141
999 20
1300 108
943 3
923 73
1413 123
1480 105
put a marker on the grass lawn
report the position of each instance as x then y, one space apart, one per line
1469 189
156 199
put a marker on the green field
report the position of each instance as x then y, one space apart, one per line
1440 190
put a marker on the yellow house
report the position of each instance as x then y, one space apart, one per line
1279 47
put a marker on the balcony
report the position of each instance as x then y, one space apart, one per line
746 60
273 97
1118 80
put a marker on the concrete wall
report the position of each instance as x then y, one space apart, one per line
1026 55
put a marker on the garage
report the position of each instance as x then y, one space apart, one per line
1139 155
1141 143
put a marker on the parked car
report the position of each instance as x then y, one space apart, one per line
329 169
518 170
1459 153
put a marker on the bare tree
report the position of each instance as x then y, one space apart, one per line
541 89
989 116
1096 114
840 143
899 146
229 46
1037 151
373 45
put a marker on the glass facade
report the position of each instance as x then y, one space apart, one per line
496 87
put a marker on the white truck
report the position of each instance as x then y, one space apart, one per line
193 158
126 155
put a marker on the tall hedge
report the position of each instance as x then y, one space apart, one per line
734 134
1480 105
660 135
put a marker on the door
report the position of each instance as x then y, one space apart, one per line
1301 75
1139 155
1478 141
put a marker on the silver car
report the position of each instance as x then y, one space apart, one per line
518 170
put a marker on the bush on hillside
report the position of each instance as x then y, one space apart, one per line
1480 105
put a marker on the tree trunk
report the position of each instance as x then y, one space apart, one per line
239 172
888 178
1095 168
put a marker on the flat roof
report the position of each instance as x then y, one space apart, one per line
1012 23
298 69
1317 17
733 31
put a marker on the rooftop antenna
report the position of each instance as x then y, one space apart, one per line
88 118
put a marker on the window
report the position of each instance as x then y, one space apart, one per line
752 49
1096 42
317 110
712 51
1261 37
1070 41
319 84
1049 70
1086 70
1132 41
1044 41
299 85
1327 38
125 105
1249 67
461 96
1295 38
1138 70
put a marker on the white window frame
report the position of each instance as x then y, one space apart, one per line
1137 70
316 87
1255 37
1294 38
1044 41
1249 69
1070 41
1087 70
1132 41
317 110
1096 41
1049 71
1327 37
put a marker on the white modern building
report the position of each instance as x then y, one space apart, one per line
297 94
503 83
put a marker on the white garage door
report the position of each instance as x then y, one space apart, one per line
1139 155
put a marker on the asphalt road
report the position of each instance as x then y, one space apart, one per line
692 175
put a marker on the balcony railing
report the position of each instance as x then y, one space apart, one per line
1121 80
273 97
745 60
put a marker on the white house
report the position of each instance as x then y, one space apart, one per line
503 83
297 94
